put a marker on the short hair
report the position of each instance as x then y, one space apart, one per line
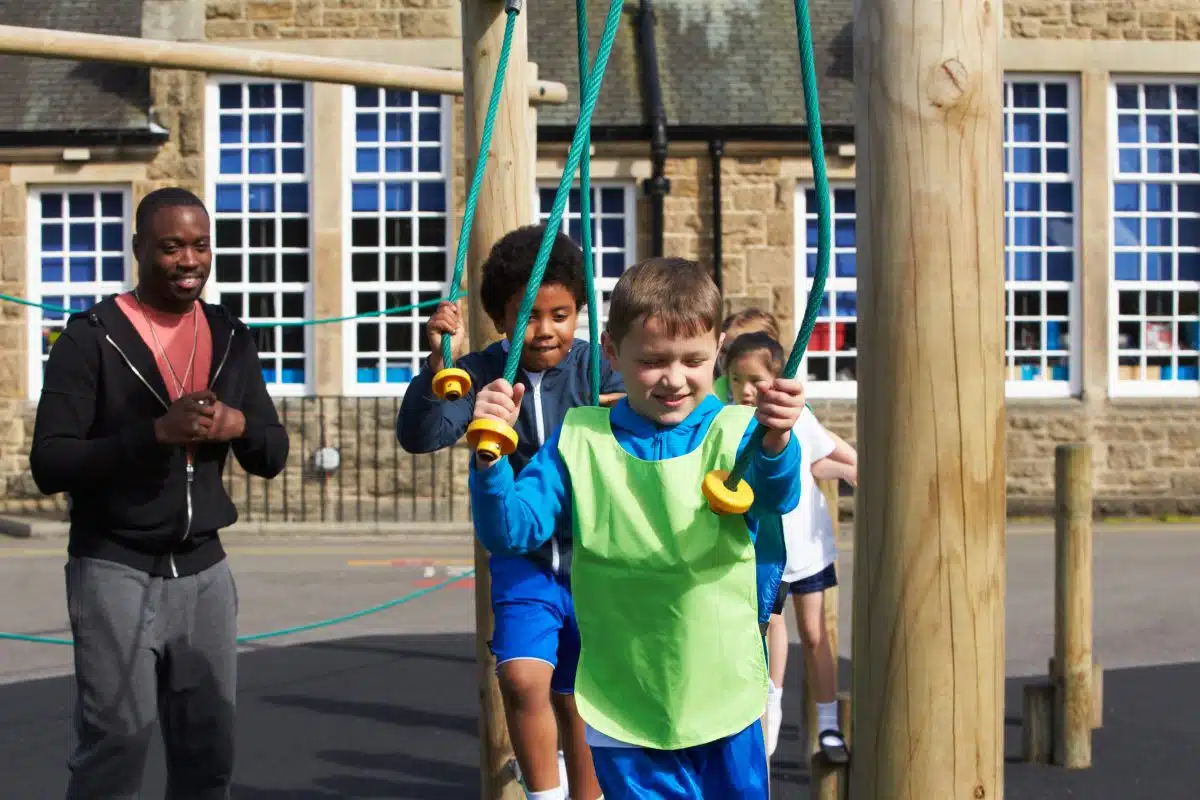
509 267
170 197
753 343
680 294
750 316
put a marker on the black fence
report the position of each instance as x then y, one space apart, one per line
346 465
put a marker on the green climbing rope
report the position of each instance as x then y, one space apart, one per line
812 113
485 145
579 144
257 637
585 204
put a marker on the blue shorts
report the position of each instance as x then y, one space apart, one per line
535 618
733 767
825 579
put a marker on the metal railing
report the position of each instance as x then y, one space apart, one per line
345 465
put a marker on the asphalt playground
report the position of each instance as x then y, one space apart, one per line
385 705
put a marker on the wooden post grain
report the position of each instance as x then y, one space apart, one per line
1072 676
929 568
505 203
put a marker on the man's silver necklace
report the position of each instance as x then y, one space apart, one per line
179 385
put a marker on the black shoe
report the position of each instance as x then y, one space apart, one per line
833 747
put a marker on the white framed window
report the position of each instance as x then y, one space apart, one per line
78 252
831 360
397 247
259 167
1154 334
614 234
1041 169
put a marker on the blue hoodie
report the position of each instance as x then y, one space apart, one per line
517 516
426 424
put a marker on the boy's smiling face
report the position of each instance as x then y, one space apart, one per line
666 377
551 328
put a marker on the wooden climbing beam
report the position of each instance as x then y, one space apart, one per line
226 60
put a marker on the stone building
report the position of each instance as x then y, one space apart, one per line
330 201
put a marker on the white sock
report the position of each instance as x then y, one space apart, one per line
827 716
549 794
774 716
774 693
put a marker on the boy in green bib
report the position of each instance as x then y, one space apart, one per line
672 674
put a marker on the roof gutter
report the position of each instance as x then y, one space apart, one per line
656 186
121 137
832 134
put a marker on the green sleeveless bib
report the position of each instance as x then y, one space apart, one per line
665 593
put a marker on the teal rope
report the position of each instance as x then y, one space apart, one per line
485 145
812 113
578 144
283 323
21 637
585 203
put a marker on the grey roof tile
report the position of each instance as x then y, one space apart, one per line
733 63
41 94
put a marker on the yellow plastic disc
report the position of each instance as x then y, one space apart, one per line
451 383
491 439
722 499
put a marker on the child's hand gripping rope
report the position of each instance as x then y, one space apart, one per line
496 409
779 405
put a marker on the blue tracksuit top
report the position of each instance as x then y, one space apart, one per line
517 516
425 423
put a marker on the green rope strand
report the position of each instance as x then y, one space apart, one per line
587 106
485 144
812 114
256 637
585 204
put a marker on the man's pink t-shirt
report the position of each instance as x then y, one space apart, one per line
174 331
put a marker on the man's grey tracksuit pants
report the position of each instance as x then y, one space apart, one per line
152 650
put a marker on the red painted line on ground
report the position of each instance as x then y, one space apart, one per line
425 583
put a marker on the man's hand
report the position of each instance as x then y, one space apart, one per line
779 405
188 420
447 319
501 401
228 423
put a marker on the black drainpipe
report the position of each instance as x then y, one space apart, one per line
716 149
657 185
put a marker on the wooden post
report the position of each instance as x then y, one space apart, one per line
231 60
929 565
1037 723
1072 678
505 203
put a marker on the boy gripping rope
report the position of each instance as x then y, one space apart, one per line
811 547
672 675
536 641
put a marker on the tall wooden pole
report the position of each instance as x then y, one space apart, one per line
1072 672
929 556
505 202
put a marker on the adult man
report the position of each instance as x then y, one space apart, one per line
144 396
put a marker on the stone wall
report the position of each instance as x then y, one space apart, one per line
332 19
757 200
1154 20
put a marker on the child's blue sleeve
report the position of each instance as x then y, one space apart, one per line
774 479
424 423
518 516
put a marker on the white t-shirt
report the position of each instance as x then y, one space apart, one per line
808 528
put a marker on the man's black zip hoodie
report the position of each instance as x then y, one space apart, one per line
133 500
